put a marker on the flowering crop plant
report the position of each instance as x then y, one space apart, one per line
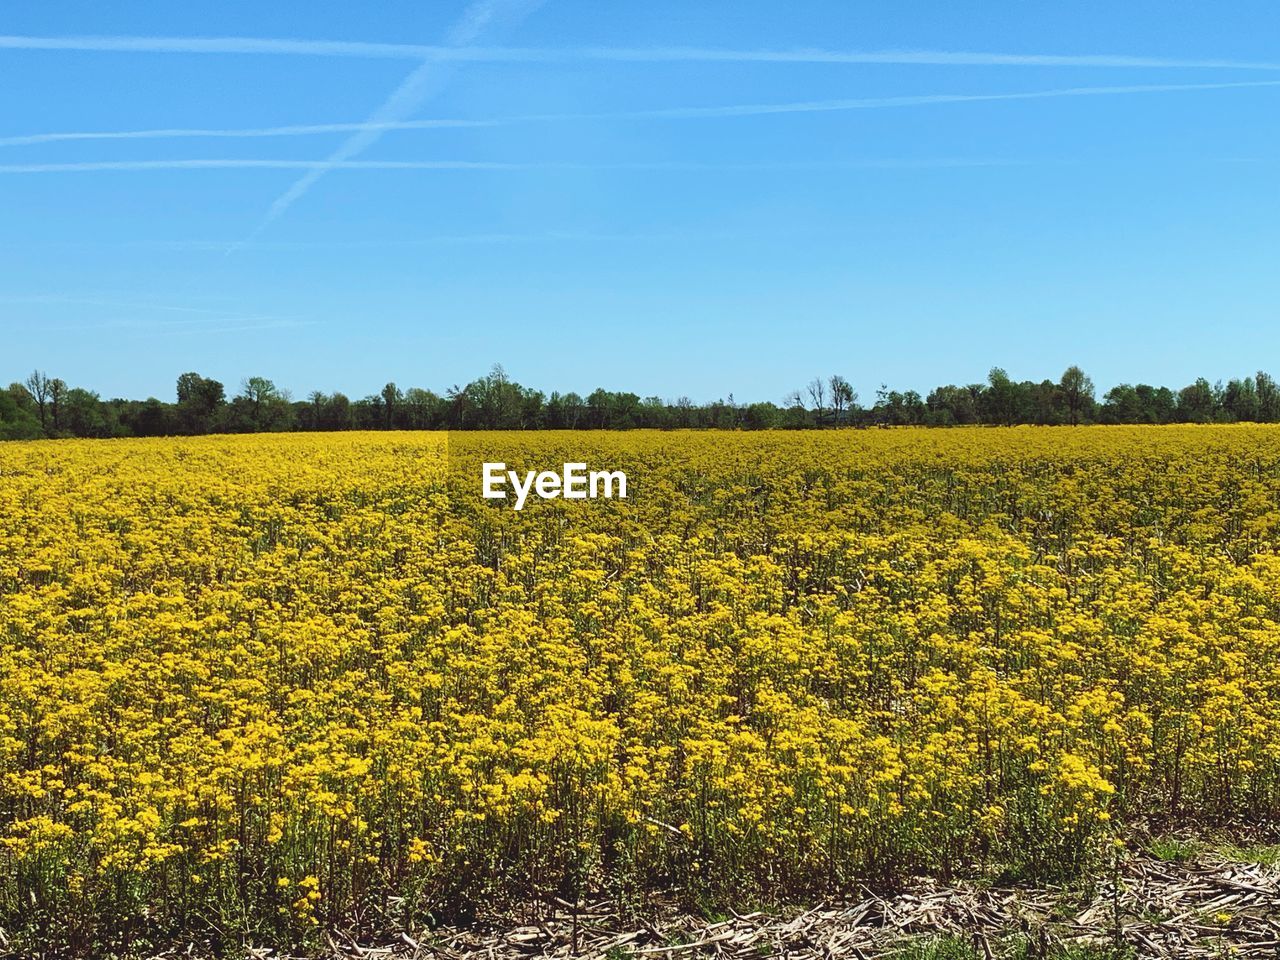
266 685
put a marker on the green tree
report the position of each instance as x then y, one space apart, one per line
1268 397
391 397
18 420
422 408
199 401
1240 400
1077 394
1196 403
261 406
1001 398
85 415
57 394
335 412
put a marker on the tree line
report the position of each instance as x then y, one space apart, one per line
43 406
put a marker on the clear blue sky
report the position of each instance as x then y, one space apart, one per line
620 224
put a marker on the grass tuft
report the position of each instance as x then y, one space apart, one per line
936 948
1266 854
1174 849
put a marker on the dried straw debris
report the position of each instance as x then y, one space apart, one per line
1179 911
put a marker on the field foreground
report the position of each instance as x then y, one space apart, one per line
260 689
1209 908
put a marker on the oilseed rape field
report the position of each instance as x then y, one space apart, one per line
258 687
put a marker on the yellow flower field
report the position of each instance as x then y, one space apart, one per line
264 684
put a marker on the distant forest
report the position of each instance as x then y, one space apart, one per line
43 406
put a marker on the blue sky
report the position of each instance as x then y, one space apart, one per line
640 196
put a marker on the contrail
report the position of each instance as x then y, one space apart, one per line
439 239
328 164
817 106
462 51
422 83
670 113
216 164
292 130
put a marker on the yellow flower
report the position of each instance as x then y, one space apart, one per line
785 657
